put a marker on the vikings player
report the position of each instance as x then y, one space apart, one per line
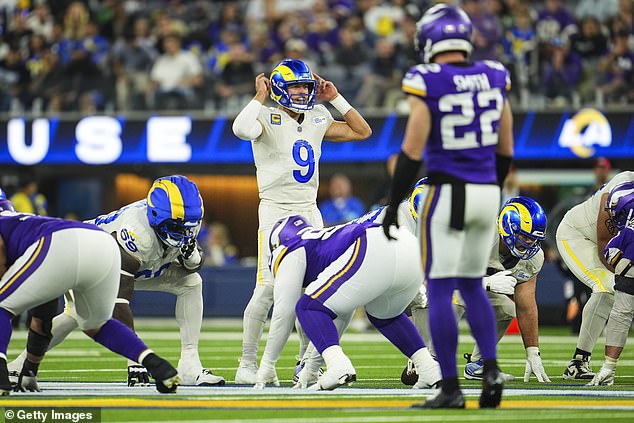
460 117
619 253
40 259
342 268
582 237
286 142
157 240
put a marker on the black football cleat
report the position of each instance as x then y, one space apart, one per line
443 400
5 385
409 376
164 374
492 386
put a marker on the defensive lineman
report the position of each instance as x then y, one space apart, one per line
459 115
286 144
157 241
582 237
40 259
342 268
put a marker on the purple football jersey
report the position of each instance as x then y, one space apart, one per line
19 231
621 246
324 246
465 102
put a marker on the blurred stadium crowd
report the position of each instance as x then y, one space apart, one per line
121 55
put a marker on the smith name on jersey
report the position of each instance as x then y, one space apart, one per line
465 103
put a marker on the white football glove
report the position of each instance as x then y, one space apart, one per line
27 382
534 366
605 377
266 375
500 282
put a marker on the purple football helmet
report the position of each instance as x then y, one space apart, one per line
286 229
443 28
620 204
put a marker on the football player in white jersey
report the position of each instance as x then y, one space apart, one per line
157 240
286 142
582 237
516 259
620 254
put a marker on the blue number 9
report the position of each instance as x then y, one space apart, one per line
308 162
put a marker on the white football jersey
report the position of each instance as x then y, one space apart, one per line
404 216
137 238
287 155
524 270
583 216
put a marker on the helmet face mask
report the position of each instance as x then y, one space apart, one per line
293 86
174 210
443 28
522 226
620 205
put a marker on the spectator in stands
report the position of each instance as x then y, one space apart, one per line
617 69
352 55
40 21
28 199
217 246
14 82
562 74
323 38
18 33
381 87
342 206
487 30
49 85
235 86
554 26
591 45
383 19
175 76
601 10
133 57
520 49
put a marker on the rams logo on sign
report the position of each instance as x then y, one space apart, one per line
585 129
276 119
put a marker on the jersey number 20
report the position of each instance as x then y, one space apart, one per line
466 116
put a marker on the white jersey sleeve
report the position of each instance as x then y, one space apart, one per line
137 238
287 291
583 216
404 216
287 155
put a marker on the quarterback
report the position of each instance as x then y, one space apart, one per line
157 241
286 142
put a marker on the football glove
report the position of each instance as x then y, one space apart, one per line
190 256
534 366
390 218
27 382
500 282
605 377
138 376
266 375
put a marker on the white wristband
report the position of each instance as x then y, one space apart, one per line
341 104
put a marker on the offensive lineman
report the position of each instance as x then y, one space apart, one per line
582 237
342 268
157 241
40 259
286 144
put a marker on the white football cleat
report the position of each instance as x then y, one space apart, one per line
336 377
192 375
246 374
429 376
207 378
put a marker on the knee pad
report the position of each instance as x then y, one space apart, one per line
37 344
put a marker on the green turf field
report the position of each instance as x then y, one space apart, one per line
70 372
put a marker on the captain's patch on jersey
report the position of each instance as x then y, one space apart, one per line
276 119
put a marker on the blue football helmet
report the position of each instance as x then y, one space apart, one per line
522 226
175 209
286 229
5 204
287 73
620 204
443 28
414 198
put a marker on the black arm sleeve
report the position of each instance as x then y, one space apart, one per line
502 166
404 176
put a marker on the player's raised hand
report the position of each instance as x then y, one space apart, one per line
326 90
262 87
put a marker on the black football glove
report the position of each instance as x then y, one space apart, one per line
138 376
391 218
188 249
